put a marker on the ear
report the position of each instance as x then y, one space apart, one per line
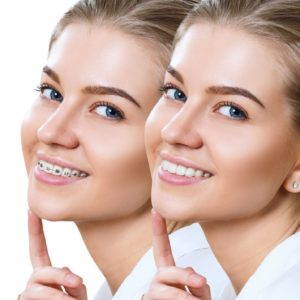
292 182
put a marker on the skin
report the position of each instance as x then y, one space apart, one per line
74 126
250 148
184 284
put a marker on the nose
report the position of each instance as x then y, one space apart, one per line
58 129
183 129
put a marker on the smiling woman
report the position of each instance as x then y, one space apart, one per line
224 148
25 27
83 145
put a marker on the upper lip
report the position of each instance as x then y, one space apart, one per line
56 160
181 161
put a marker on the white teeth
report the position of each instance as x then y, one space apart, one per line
199 173
168 166
180 170
183 171
172 168
59 171
190 172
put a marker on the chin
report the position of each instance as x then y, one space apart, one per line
171 209
46 210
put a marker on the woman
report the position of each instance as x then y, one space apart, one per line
224 148
83 144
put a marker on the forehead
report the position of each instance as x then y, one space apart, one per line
92 55
227 56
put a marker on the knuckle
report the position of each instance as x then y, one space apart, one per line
35 275
190 272
65 273
160 274
190 269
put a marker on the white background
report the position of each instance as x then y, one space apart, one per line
25 28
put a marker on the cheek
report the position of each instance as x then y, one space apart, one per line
122 157
252 165
156 121
29 128
121 171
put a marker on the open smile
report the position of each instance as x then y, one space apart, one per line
178 171
57 170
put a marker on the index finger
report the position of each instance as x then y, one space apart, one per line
37 243
161 244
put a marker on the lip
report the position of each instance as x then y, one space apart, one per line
57 161
175 179
181 161
52 179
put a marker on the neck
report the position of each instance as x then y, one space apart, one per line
241 245
117 245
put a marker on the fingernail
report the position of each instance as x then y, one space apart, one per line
71 279
194 279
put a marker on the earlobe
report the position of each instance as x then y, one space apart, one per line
292 183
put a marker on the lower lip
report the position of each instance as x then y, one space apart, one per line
177 179
54 180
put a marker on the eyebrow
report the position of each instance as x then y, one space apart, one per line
219 90
229 90
175 74
95 90
106 90
51 74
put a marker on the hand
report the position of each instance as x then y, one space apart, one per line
47 282
171 282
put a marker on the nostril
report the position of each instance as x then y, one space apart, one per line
186 134
55 133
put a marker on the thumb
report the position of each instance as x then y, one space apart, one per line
79 293
78 289
203 291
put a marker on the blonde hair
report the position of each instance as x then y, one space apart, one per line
155 21
276 20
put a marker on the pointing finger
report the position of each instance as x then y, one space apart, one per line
37 243
161 244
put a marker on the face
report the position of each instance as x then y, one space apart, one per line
83 140
219 141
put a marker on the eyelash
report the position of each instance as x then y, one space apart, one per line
169 86
41 87
44 86
233 105
108 104
165 87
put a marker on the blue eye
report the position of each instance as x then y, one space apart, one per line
174 93
108 111
232 111
50 93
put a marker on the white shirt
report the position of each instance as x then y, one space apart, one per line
190 248
277 277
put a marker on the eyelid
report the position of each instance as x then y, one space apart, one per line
106 103
233 104
169 85
44 86
41 87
